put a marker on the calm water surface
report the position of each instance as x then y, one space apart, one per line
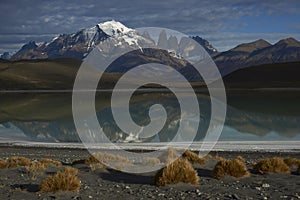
251 116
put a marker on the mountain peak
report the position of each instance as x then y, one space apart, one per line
208 47
252 46
113 28
289 41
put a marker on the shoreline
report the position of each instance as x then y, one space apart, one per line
225 146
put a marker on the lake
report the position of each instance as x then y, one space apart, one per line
260 115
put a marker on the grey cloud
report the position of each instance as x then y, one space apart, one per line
191 16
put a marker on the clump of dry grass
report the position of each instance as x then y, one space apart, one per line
48 161
236 168
106 159
169 155
240 158
91 159
36 168
94 166
181 170
215 157
276 165
14 161
151 161
292 162
3 164
193 157
64 180
70 170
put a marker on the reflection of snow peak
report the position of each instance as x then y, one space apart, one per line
132 138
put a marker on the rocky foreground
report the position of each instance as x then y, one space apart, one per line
111 184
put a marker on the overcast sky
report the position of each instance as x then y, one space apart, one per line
223 23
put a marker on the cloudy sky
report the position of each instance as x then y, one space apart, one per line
223 23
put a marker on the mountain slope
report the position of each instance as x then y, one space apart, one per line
278 75
257 53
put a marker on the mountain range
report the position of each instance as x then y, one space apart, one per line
257 53
54 64
78 45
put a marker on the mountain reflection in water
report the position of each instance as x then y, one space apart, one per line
48 117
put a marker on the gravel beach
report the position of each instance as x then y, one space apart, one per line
111 184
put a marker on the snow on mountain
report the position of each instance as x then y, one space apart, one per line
121 33
78 45
114 28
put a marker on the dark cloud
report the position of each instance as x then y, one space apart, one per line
24 20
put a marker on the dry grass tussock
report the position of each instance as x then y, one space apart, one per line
64 180
14 161
181 170
193 157
48 161
151 161
214 157
275 165
3 164
236 168
105 159
94 166
36 168
292 162
169 155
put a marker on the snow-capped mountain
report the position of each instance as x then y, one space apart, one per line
74 45
79 44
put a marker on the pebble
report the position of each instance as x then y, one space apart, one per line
265 185
258 188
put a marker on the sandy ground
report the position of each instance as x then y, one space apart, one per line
111 184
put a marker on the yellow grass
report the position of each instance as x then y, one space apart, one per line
70 170
64 180
48 161
91 159
151 161
36 168
105 159
292 162
14 161
169 155
240 158
236 168
3 164
193 157
94 166
181 170
215 157
275 165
